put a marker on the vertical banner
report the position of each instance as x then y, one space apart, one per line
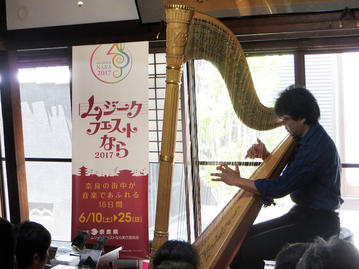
110 145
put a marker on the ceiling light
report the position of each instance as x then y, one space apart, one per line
80 3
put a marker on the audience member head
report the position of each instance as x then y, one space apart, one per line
7 246
289 255
332 254
298 103
32 245
176 254
174 265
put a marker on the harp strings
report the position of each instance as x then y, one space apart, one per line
210 40
222 137
178 217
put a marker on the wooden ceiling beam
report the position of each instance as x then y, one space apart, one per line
84 34
312 45
251 28
294 22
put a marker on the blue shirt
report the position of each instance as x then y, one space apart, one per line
312 178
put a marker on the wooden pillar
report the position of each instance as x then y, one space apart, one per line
13 137
299 67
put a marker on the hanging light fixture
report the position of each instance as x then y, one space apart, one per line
80 3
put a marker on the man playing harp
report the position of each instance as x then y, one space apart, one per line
312 178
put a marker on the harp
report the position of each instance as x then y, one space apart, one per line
194 35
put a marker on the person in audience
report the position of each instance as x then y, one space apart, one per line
32 245
289 255
175 254
7 246
175 265
335 253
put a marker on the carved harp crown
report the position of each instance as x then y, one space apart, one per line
194 35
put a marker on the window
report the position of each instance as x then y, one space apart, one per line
333 80
221 135
46 115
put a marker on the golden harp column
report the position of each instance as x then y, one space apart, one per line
178 18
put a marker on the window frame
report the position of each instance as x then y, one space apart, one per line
297 33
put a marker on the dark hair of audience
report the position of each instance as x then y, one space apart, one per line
33 242
174 265
332 254
7 244
289 255
176 254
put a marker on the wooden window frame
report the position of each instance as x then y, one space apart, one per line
295 33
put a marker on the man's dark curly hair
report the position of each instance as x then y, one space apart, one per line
299 103
174 253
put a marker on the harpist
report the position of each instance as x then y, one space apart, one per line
312 178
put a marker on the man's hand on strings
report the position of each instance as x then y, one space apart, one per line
258 150
227 175
233 178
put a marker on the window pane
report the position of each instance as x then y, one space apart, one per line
46 111
333 79
221 135
321 73
351 183
350 106
271 74
49 193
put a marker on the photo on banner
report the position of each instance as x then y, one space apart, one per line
110 145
